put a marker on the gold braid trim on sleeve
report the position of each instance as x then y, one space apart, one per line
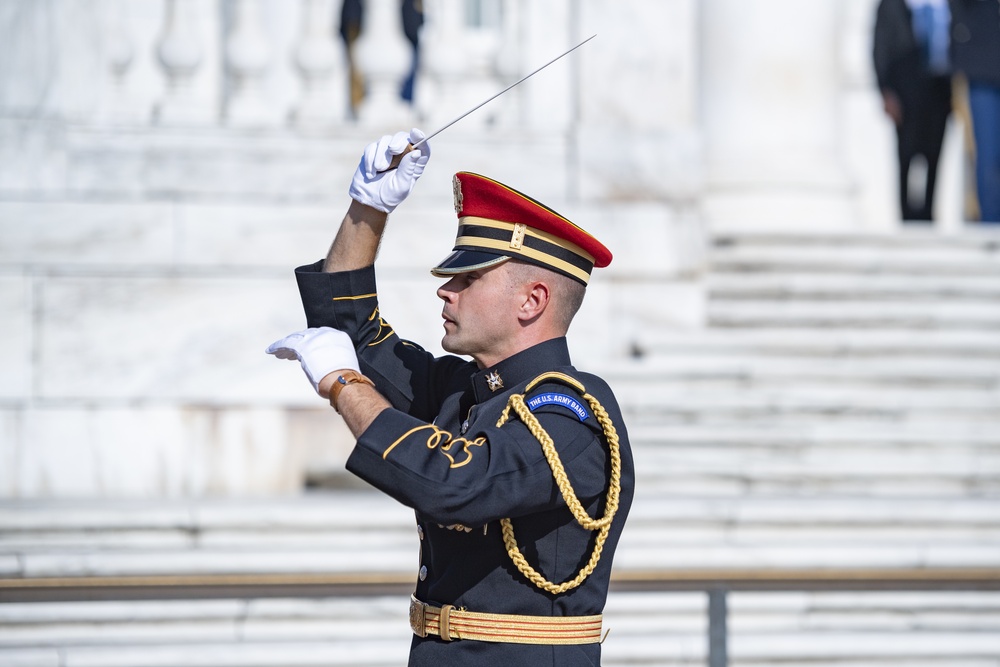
602 525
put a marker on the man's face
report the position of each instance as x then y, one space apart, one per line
480 313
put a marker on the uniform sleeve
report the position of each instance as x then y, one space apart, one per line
412 379
488 474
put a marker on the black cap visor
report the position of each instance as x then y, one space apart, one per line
463 261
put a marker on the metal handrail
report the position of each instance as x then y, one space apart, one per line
815 578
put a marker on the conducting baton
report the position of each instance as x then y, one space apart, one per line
410 147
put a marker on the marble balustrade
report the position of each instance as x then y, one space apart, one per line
268 64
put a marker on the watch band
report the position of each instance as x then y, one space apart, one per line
346 378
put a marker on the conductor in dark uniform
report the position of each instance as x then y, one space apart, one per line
516 463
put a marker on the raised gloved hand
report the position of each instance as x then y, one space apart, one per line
320 351
375 185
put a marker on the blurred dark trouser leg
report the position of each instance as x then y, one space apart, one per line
936 120
905 153
984 103
926 106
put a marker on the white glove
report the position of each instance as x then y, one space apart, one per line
384 190
321 351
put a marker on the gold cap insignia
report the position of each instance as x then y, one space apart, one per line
494 381
517 235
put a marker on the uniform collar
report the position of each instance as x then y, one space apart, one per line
520 368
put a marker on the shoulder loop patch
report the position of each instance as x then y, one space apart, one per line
562 400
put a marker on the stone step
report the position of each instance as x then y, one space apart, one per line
851 628
872 610
802 415
217 654
663 554
791 438
262 633
797 484
937 315
42 550
685 396
348 621
855 433
861 255
785 286
350 532
100 163
726 534
976 239
288 532
192 519
956 624
774 531
772 610
820 464
265 558
860 648
856 512
906 459
758 438
906 540
745 366
815 343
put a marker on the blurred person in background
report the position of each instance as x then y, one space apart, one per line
911 57
352 14
413 19
975 34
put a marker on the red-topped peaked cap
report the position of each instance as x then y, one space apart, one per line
497 223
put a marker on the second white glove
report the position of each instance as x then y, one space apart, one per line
375 185
320 351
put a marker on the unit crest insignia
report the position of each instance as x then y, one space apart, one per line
494 381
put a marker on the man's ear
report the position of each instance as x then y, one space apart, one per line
536 300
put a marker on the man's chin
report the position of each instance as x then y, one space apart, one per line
448 345
453 346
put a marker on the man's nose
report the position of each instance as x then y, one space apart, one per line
445 292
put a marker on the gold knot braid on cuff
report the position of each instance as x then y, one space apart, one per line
450 624
602 525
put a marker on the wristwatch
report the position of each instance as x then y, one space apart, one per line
346 378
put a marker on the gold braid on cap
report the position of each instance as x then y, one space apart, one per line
602 525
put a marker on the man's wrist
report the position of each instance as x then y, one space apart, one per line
340 380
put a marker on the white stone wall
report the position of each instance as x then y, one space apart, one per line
146 262
136 334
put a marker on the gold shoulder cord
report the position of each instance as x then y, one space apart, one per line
603 525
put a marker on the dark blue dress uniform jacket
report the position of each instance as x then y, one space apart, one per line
440 452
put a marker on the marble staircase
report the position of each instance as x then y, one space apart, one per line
840 412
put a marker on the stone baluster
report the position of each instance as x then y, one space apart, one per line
383 57
509 64
248 55
180 53
439 95
322 67
481 47
119 54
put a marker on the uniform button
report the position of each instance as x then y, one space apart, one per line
423 572
420 532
